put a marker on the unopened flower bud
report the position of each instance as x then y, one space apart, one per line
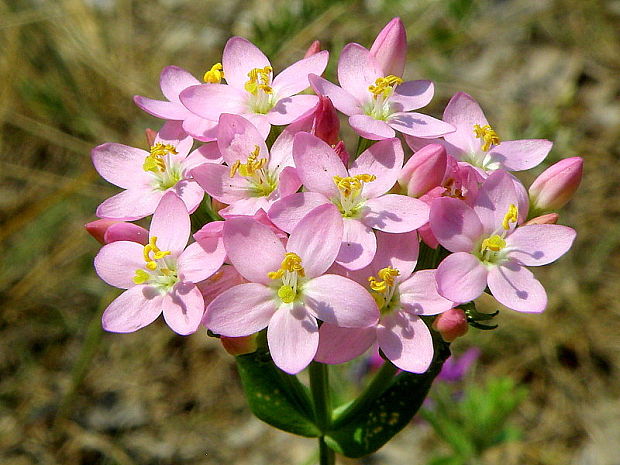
326 125
451 324
240 345
342 153
106 231
390 48
315 47
424 170
557 184
150 136
549 218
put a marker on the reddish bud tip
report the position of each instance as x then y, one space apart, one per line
549 218
451 324
326 125
315 47
239 345
150 136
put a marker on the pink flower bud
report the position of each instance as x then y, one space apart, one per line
150 136
239 345
390 48
326 124
549 218
217 205
557 184
424 170
315 47
106 231
451 324
342 153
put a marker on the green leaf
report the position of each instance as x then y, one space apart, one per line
384 416
275 397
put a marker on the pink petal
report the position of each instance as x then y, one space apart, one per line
121 165
411 95
358 245
216 181
340 301
516 287
419 295
288 183
289 109
240 56
245 207
190 192
237 138
241 310
172 132
117 262
126 232
340 345
317 164
293 337
342 100
540 244
253 249
211 100
170 224
135 308
201 259
419 125
463 112
173 80
161 109
294 79
461 277
519 155
395 213
282 151
183 308
226 278
286 213
357 70
207 153
406 341
384 159
130 205
370 128
455 225
260 122
494 198
317 251
200 128
399 251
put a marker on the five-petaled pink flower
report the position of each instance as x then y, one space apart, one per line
161 275
402 296
252 91
360 193
488 248
287 289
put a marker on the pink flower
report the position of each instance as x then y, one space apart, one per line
477 143
390 48
254 178
490 250
252 91
424 170
160 276
106 231
557 184
451 324
377 104
287 289
173 81
401 296
359 193
147 176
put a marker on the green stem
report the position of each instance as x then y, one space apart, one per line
319 386
362 144
379 383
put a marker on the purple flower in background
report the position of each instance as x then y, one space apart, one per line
454 369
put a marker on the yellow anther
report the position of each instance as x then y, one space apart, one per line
494 243
214 75
291 263
385 279
351 186
260 79
488 136
512 216
384 86
287 294
250 167
151 264
141 277
155 160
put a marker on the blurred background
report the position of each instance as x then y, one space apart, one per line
70 394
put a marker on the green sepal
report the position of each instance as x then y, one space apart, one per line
275 397
388 413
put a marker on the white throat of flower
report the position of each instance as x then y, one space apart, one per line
262 96
160 162
492 250
384 289
351 201
159 270
256 172
483 159
289 274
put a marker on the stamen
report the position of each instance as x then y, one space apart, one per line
512 216
214 75
352 185
385 279
260 79
141 276
384 86
287 294
151 264
494 243
251 167
291 263
155 160
488 136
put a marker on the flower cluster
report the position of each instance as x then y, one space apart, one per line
316 244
